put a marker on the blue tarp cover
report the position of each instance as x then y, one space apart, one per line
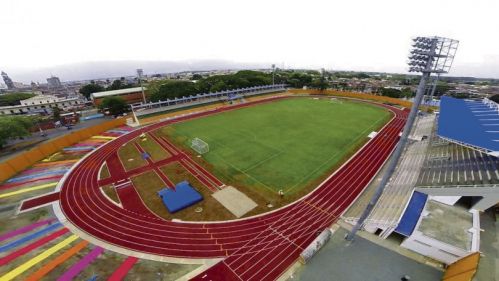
182 197
412 213
469 122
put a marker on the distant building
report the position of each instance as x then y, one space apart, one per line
54 82
41 104
8 81
130 95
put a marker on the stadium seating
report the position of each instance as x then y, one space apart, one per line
469 122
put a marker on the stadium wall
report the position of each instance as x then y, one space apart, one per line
463 269
354 95
26 159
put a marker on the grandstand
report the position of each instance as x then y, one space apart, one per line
462 159
203 99
386 214
471 123
440 166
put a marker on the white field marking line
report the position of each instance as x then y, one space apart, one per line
142 200
264 245
258 164
301 233
255 139
343 193
112 201
239 277
328 189
393 123
250 176
210 185
202 172
334 156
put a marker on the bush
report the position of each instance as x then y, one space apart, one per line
115 105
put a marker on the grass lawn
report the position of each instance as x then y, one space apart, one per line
289 144
104 172
148 184
129 151
153 148
110 191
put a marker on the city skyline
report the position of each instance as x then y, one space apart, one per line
358 35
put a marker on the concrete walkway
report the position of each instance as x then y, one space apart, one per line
363 260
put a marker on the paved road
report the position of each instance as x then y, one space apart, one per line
51 133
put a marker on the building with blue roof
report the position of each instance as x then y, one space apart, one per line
472 123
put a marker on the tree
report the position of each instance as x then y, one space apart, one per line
56 112
119 84
14 127
14 98
115 105
389 92
170 89
90 89
197 77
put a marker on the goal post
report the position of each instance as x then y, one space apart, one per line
200 146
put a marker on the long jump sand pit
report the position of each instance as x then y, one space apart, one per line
235 201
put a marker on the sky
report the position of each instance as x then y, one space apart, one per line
343 35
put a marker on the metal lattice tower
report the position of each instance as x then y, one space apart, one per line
428 55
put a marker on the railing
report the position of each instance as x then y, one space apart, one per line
199 99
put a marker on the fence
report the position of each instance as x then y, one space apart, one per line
203 99
26 159
354 95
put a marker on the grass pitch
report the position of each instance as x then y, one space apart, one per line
284 144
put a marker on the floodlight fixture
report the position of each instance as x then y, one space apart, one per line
428 55
273 74
140 72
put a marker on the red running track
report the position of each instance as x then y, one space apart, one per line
255 248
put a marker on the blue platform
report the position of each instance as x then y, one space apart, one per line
469 122
182 197
412 213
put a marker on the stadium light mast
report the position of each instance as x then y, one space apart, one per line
139 74
273 74
428 55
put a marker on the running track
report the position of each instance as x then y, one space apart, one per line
256 248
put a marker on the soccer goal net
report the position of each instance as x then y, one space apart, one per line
200 146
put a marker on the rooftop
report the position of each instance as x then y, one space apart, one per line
449 224
470 122
117 92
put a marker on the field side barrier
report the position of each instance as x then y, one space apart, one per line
315 246
26 159
355 95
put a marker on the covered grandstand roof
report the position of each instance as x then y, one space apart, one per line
473 123
412 213
117 92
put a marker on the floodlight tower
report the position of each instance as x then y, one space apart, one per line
273 74
428 55
139 75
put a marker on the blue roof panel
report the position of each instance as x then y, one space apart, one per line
412 213
470 122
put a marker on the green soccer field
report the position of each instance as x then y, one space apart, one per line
284 144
